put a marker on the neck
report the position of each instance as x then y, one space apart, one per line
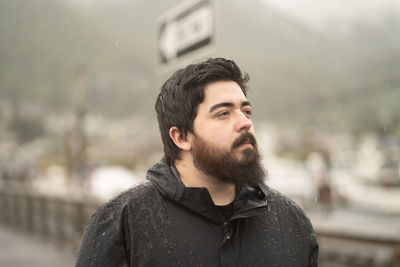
220 192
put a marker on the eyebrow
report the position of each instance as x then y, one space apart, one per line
228 104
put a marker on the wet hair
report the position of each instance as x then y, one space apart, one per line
181 94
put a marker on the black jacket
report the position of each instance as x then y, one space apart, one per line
163 223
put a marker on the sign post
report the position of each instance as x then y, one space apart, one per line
185 31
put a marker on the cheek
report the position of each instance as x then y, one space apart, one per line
221 140
216 134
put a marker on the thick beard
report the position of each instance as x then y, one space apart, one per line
223 166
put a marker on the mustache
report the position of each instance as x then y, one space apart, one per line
244 137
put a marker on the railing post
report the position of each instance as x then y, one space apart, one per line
396 260
44 224
3 207
29 211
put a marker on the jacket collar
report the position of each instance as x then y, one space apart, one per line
166 179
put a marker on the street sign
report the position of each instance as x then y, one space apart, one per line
185 30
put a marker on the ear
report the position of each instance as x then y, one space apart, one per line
181 141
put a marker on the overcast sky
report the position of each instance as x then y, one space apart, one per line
321 12
318 12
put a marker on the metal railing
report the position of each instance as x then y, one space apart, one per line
59 219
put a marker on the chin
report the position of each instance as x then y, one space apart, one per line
246 155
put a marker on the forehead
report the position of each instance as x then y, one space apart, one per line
223 91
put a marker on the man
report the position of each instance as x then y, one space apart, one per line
205 203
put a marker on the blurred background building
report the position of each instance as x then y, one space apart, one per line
79 79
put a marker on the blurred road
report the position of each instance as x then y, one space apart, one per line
19 249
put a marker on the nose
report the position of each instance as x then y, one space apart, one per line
243 123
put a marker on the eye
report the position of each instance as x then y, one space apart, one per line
248 112
222 114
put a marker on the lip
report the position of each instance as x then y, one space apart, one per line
246 144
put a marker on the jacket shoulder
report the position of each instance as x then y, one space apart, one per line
105 236
279 202
290 211
129 198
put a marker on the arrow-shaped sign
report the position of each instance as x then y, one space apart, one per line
188 30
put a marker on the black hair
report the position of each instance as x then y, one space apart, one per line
181 94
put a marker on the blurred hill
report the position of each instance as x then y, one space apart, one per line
338 77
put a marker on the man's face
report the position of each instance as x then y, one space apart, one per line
223 116
223 143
